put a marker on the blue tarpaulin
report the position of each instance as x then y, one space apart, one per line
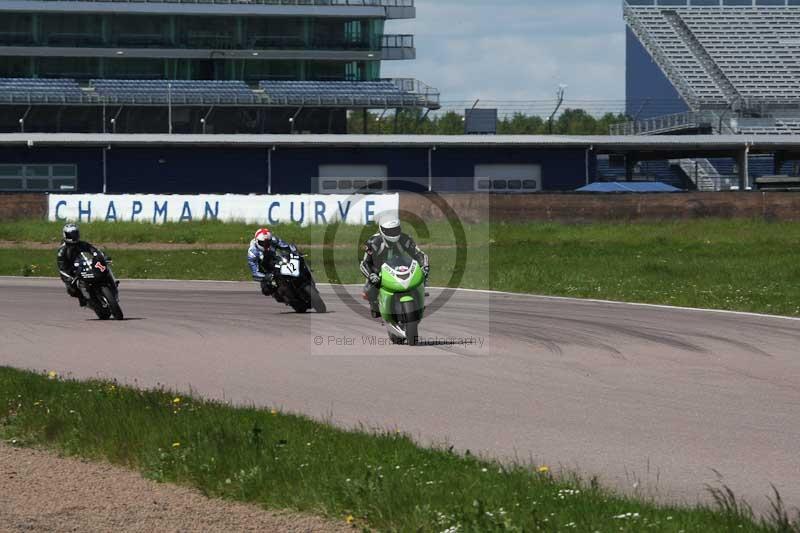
629 186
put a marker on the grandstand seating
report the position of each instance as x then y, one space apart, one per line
380 94
39 90
661 171
149 92
724 54
373 93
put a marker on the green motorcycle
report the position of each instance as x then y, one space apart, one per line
402 298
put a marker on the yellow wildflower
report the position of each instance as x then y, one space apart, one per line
350 519
176 444
274 412
52 374
177 400
544 469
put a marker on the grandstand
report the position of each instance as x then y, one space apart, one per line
734 64
151 66
713 67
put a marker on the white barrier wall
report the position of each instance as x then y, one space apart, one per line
299 209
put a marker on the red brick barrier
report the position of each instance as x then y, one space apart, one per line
580 208
24 205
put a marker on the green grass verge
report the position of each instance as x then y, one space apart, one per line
737 265
382 480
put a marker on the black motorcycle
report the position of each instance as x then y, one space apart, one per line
97 285
294 284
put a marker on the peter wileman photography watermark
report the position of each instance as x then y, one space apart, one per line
381 340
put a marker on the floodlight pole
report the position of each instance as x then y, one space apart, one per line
169 106
114 120
293 119
561 90
204 120
22 120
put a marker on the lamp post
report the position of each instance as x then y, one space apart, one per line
22 120
560 95
203 124
291 125
169 106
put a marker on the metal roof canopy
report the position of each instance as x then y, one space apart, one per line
660 146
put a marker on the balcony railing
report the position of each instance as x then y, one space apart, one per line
397 41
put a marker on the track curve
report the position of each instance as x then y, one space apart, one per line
654 400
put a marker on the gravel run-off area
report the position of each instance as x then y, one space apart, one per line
40 491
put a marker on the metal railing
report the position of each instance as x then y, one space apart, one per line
411 85
412 94
397 41
655 125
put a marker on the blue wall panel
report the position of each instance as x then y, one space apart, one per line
190 170
296 169
183 170
88 160
562 170
649 91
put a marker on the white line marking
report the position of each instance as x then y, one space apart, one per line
479 291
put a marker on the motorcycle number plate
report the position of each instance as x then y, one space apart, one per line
291 268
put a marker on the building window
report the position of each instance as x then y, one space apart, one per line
39 178
508 178
352 185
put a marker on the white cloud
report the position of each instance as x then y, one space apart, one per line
517 49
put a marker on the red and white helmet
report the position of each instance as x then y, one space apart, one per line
263 238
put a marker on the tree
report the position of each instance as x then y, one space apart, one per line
415 121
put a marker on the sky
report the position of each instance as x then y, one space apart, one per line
517 50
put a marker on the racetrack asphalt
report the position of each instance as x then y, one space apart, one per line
655 401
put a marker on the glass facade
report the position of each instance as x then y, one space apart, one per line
189 32
250 70
92 31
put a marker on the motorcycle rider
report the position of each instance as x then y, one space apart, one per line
262 259
389 241
71 247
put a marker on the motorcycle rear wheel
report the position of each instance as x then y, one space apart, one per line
316 299
299 307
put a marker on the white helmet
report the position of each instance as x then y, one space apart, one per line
391 230
263 238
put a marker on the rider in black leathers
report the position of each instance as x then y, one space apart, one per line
71 247
378 248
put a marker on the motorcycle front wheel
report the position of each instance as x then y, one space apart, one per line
412 333
113 305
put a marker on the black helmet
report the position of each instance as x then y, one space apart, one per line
71 234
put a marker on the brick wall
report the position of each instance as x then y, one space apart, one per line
576 208
580 208
23 205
